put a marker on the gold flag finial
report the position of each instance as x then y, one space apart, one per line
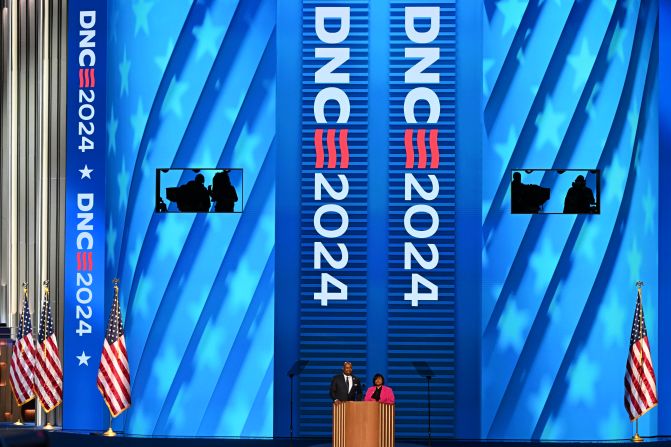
639 284
45 283
25 287
116 286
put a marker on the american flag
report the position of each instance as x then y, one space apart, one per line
639 381
23 358
48 371
114 375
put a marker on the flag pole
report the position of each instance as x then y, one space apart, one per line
45 283
25 294
19 421
636 437
109 431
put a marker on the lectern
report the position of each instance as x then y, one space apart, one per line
363 424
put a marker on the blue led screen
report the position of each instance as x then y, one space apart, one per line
567 85
193 85
173 189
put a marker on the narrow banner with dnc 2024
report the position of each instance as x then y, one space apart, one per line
84 326
334 197
422 203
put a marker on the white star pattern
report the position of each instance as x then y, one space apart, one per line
86 172
83 359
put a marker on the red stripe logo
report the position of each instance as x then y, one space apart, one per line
421 148
87 77
84 260
332 147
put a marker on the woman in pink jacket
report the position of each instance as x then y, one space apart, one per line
379 392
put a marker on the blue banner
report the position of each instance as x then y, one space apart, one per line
84 310
422 178
334 199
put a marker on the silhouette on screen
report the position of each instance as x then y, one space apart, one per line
209 190
563 191
527 198
579 198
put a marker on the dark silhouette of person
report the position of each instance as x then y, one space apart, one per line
525 198
161 206
579 198
517 189
193 196
223 193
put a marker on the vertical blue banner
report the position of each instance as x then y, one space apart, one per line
84 311
334 183
422 177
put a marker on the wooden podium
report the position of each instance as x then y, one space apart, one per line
363 424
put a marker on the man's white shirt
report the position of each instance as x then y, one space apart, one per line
348 381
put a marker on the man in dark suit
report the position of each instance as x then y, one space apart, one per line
345 386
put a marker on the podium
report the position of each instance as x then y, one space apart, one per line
363 424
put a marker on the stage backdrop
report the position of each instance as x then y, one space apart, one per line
192 85
379 169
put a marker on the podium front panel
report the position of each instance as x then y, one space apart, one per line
363 424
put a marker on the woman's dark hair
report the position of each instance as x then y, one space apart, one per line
376 376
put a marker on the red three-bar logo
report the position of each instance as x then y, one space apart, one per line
84 261
87 77
421 148
331 148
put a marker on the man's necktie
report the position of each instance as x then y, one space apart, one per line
348 384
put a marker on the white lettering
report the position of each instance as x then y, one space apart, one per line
422 12
85 201
326 74
427 57
332 12
328 94
421 94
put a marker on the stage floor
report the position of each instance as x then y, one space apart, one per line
27 436
60 439
69 439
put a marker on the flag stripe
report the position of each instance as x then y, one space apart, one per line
24 363
46 381
46 396
636 385
635 392
118 380
632 399
19 386
111 385
121 346
641 386
53 362
54 370
46 367
108 393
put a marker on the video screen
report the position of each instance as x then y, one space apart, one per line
199 190
555 191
